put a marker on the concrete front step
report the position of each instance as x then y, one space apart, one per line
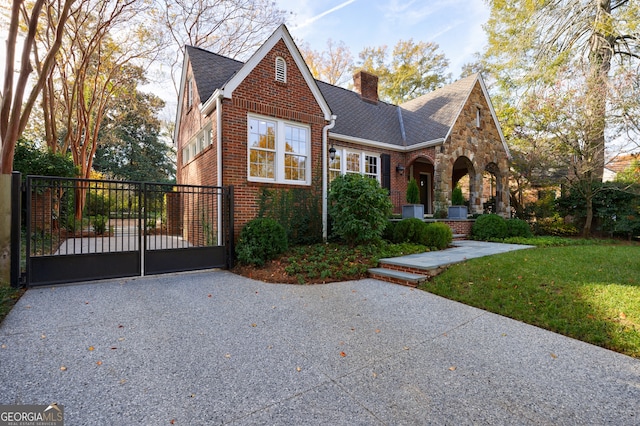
398 277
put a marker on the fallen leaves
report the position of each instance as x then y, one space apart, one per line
452 368
342 354
298 369
91 348
63 368
554 356
98 362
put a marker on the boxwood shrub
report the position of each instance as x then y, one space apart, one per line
439 235
518 228
261 240
410 230
488 227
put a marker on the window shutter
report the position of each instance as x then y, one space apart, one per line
385 159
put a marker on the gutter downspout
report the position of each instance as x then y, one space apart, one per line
325 176
219 163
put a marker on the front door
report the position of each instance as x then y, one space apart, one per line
425 192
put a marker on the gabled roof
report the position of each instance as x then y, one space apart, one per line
211 71
431 116
424 121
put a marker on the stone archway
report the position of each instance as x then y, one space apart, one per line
464 174
493 189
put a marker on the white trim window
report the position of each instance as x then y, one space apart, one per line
278 151
202 140
189 92
351 161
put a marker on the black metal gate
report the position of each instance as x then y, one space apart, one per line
81 229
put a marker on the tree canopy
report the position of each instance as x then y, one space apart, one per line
413 69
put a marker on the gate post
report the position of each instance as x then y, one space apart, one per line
231 232
16 213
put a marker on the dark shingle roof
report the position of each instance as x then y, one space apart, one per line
361 119
430 116
210 70
424 119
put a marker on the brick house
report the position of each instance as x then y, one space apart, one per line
269 123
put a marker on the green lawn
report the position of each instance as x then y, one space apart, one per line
588 292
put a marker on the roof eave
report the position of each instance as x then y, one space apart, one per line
385 145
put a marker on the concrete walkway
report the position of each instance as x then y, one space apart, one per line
215 348
414 269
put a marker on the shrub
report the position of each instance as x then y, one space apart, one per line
555 226
413 192
261 240
457 199
359 208
389 229
410 230
99 224
97 204
489 226
439 235
518 228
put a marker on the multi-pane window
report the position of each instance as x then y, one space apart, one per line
371 166
335 165
353 162
262 148
278 151
189 92
296 151
202 140
347 161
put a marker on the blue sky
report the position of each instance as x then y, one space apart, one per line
455 25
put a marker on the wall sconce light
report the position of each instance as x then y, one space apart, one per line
400 169
332 153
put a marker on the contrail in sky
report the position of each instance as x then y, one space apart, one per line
325 13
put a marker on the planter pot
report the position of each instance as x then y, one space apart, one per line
413 210
457 212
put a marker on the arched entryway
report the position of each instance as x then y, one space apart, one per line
422 170
492 189
464 175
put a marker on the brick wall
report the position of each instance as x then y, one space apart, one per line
261 94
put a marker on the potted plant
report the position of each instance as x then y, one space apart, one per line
414 208
457 210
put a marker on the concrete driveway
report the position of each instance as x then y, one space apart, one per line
215 348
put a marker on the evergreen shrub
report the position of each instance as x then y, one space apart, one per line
438 235
488 227
261 240
410 230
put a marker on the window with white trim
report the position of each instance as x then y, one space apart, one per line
278 151
202 140
478 117
281 70
189 92
350 161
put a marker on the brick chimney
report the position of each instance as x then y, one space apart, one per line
367 85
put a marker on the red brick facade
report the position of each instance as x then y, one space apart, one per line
257 92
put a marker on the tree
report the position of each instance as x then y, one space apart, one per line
103 57
15 109
533 49
333 65
130 142
414 69
232 28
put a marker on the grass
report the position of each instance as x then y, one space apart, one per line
8 297
588 291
